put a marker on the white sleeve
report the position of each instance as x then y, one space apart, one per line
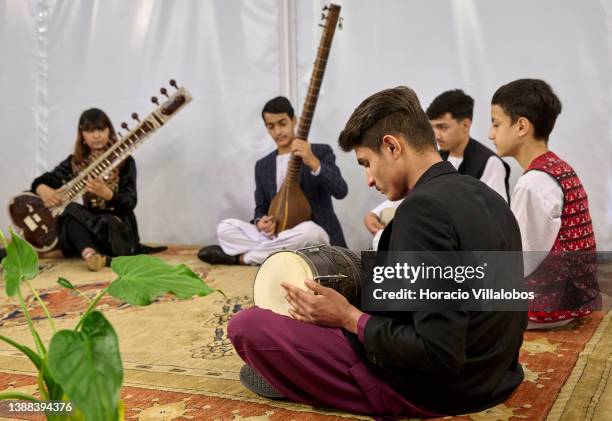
537 203
494 176
384 205
378 209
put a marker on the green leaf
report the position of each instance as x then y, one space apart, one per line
87 365
54 389
21 262
33 356
65 283
144 278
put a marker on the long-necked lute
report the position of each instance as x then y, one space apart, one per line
290 206
38 223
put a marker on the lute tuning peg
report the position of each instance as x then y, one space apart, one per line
154 100
135 117
164 92
125 126
323 15
173 84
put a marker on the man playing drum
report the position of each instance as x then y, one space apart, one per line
419 363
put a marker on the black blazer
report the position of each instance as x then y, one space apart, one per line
317 189
475 158
450 362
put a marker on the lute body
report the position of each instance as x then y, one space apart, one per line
290 206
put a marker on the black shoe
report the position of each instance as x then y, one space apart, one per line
2 253
144 249
216 256
257 384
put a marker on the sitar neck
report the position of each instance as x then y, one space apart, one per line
126 145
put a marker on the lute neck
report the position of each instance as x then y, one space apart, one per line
314 86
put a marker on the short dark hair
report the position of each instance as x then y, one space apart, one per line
394 111
278 105
533 99
456 102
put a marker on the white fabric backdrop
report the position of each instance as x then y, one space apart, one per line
115 54
60 57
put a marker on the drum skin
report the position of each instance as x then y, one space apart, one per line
331 266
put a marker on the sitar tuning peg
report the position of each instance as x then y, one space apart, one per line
154 100
163 91
340 22
323 16
124 126
135 117
321 25
325 8
173 84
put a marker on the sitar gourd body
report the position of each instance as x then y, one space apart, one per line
38 224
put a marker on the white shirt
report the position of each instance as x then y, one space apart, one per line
537 204
455 160
282 164
493 175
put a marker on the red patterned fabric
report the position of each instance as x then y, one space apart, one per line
566 281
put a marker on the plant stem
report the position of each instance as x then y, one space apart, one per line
82 295
44 393
17 395
90 308
39 345
42 304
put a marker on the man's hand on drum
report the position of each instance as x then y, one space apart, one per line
327 308
372 223
267 225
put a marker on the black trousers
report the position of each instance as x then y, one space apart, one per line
79 237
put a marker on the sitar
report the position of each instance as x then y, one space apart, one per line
290 206
39 224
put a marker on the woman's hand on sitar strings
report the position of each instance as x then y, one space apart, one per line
98 187
327 308
302 149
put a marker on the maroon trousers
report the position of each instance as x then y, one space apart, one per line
313 365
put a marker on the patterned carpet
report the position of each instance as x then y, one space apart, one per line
179 364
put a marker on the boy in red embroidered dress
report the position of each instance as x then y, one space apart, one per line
550 205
